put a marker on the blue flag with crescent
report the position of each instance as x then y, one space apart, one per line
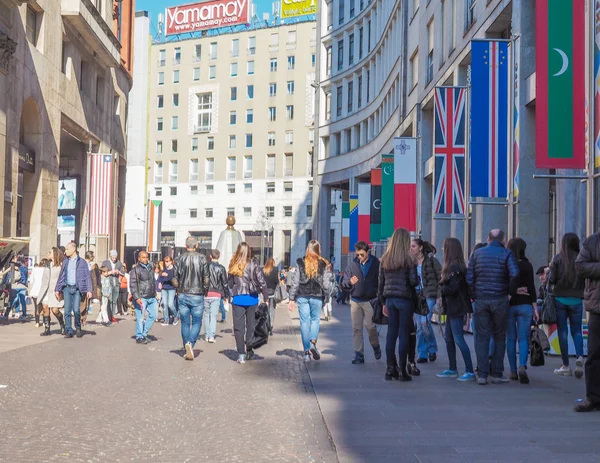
490 144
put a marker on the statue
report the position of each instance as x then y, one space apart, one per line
228 242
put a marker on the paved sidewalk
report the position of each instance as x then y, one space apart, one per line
442 420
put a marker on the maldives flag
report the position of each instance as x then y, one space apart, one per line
405 183
560 84
364 212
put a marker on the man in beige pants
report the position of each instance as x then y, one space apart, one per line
361 280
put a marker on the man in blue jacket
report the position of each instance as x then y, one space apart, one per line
361 279
74 283
493 275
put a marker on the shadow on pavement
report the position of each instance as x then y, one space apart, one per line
291 353
231 354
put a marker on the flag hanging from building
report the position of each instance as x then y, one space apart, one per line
154 224
490 139
364 212
516 120
449 150
596 83
387 196
375 205
405 183
353 222
345 227
560 84
101 194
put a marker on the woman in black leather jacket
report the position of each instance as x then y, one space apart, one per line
272 278
397 281
245 282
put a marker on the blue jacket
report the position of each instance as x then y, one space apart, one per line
84 280
493 272
167 282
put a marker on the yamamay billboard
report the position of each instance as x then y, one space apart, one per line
293 8
206 15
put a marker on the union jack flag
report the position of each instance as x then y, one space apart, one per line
449 150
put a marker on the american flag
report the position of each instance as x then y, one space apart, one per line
101 203
449 150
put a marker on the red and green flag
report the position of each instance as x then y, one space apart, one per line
387 196
560 84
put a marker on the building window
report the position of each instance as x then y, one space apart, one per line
351 50
193 170
197 53
177 56
251 45
208 213
250 92
173 171
32 25
174 146
289 137
272 113
352 8
271 165
289 112
210 142
212 72
369 36
310 186
230 211
176 77
210 189
248 140
213 50
313 60
232 142
232 117
231 188
159 148
271 138
231 167
368 86
270 211
193 213
429 76
249 116
175 100
340 56
360 43
235 47
159 124
291 37
195 144
291 63
328 105
233 93
272 89
311 136
250 68
328 62
470 13
161 78
172 213
160 101
158 191
288 187
247 212
308 211
341 11
338 101
413 75
359 91
162 55
287 211
270 187
196 74
204 113
350 96
248 166
288 167
273 64
234 69
209 168
158 172
274 40
175 122
291 87
194 190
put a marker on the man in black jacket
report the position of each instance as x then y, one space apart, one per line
492 275
143 292
217 291
191 278
361 279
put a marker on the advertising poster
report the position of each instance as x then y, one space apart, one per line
293 8
206 15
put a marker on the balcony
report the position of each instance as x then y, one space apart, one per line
231 175
161 63
247 174
158 179
210 176
196 59
201 129
83 16
176 61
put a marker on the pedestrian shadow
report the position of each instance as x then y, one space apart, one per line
291 353
227 331
86 332
181 352
149 336
231 354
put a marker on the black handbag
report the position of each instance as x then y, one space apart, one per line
378 317
421 306
536 356
548 315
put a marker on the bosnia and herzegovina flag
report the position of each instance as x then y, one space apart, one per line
560 84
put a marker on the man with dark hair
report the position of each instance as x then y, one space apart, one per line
217 291
143 292
191 278
115 270
492 275
361 279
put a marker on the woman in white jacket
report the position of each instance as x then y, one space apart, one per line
38 287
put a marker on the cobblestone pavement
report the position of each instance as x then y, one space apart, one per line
104 398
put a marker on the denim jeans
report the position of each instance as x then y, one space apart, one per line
492 319
309 309
426 343
223 311
191 309
143 328
272 307
455 337
400 324
72 298
168 300
18 296
574 314
210 316
519 325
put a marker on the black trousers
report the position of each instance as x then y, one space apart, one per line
592 364
243 325
122 302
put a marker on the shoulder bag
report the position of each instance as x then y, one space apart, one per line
421 306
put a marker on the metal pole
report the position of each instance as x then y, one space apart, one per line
88 176
466 220
511 140
591 187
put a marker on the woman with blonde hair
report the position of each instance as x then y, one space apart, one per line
397 281
50 302
245 282
311 282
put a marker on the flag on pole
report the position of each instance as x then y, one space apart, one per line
101 194
353 222
449 151
490 144
375 205
516 121
387 196
596 84
405 183
364 212
560 84
345 227
154 224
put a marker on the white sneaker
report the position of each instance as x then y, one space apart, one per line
241 358
165 323
563 371
211 340
579 367
189 352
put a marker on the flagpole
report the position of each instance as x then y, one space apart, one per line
466 220
591 38
88 187
511 136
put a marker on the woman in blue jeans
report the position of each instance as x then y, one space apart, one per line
568 300
456 302
168 292
311 282
522 310
397 282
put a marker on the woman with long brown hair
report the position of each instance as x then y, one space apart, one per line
456 303
50 302
272 279
397 282
245 282
311 282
